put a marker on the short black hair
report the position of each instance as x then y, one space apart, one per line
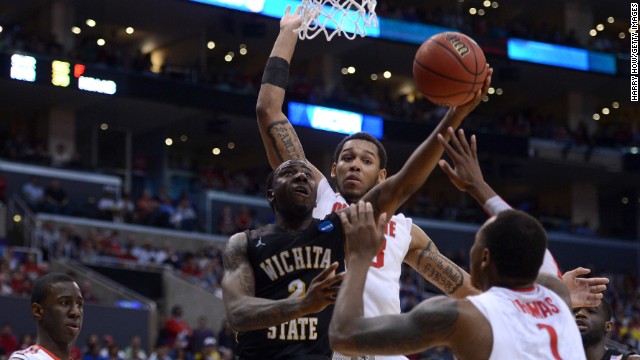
517 243
42 285
382 152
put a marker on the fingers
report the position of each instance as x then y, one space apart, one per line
474 146
487 80
577 272
326 272
447 147
287 10
447 169
298 10
597 281
597 289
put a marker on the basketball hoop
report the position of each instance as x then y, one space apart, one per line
337 17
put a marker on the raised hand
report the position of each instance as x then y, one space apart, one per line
585 292
323 289
291 21
464 109
465 172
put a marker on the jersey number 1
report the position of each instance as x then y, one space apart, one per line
553 337
378 262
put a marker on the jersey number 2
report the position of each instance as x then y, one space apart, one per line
378 262
553 337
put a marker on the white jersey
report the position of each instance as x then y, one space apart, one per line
382 288
529 324
34 352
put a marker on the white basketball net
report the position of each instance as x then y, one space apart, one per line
336 17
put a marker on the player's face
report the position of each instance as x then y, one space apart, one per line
591 323
358 169
294 187
62 312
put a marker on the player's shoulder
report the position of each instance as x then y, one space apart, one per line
26 354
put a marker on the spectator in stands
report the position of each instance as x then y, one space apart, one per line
135 351
107 206
190 266
226 223
226 340
184 217
56 200
145 254
61 156
92 340
161 353
125 209
5 278
33 193
200 334
87 293
28 340
244 218
31 268
8 341
181 353
146 208
166 211
178 330
114 353
209 350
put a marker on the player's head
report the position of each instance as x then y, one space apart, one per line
359 163
594 323
291 189
57 306
508 250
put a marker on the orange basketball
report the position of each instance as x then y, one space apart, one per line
449 68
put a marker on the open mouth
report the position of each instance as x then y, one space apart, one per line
301 190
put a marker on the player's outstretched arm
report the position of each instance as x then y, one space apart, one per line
585 292
465 173
247 312
388 195
426 259
431 323
280 139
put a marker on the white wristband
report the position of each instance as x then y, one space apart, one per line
496 205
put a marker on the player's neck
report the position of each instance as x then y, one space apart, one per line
60 351
595 351
289 223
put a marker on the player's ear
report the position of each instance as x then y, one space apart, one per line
485 258
608 326
270 195
333 171
36 311
382 175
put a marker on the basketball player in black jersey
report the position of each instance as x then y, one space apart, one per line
280 279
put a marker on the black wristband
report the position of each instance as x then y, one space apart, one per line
276 72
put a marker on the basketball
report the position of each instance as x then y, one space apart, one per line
449 68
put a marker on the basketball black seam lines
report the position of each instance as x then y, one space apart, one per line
455 55
444 76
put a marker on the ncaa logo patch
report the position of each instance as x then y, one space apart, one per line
325 226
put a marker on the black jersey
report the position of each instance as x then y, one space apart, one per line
284 264
615 354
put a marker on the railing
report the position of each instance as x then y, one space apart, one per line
21 215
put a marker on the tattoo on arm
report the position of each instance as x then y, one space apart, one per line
441 271
435 322
235 260
285 141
